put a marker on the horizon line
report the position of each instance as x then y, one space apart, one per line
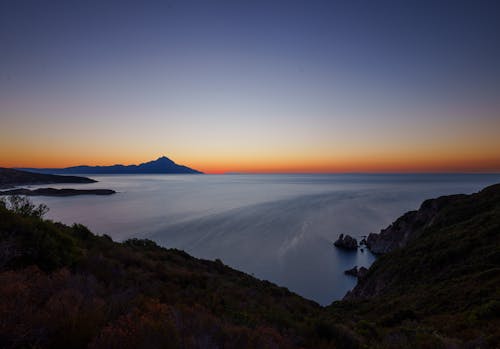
425 172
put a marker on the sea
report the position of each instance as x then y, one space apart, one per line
276 227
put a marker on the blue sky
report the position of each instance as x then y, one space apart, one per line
252 85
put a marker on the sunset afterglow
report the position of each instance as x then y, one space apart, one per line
251 87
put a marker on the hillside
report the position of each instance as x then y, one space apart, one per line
10 178
162 165
446 278
68 288
64 287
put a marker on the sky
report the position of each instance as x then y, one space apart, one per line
252 86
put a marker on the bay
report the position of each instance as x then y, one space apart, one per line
276 227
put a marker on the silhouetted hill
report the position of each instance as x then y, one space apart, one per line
10 178
158 166
64 287
440 275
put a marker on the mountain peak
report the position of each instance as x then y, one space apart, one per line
161 161
159 166
162 158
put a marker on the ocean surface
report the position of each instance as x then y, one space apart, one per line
275 227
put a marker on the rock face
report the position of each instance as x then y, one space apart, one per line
407 227
362 271
434 245
57 192
346 242
352 272
357 272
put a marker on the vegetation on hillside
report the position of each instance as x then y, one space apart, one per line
64 287
443 288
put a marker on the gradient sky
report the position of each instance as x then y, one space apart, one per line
252 86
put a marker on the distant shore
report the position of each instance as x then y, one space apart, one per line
57 192
10 178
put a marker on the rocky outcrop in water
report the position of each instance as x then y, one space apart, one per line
346 242
362 271
352 272
357 272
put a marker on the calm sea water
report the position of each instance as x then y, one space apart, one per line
276 227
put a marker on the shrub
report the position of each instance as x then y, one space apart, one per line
24 207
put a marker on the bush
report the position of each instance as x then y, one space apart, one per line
24 207
141 243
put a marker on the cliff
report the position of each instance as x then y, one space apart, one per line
451 236
409 226
440 270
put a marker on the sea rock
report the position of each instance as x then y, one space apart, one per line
357 272
362 271
346 242
352 272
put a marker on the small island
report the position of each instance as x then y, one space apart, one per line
346 242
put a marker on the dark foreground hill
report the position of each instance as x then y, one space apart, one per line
444 284
64 287
10 178
162 165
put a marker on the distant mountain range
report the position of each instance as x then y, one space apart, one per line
160 165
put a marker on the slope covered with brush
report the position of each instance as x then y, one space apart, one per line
64 287
444 284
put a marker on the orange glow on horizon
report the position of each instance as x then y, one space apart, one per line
487 166
272 164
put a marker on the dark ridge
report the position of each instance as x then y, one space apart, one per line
64 287
11 178
57 192
449 234
440 271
